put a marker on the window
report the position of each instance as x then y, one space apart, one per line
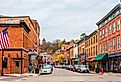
106 47
91 41
103 33
113 27
117 12
5 63
106 32
103 48
110 31
118 42
96 49
89 51
118 24
96 38
114 43
110 45
100 33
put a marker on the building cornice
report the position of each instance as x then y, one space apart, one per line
117 7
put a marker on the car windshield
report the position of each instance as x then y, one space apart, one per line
46 67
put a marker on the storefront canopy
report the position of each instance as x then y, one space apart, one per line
76 59
101 57
90 60
114 55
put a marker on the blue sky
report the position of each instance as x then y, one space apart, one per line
60 19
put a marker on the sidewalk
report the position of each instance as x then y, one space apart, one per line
25 74
106 73
14 76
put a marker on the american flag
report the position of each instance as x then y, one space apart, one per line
4 39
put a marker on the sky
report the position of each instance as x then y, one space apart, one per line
60 19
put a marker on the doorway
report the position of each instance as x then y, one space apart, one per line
17 66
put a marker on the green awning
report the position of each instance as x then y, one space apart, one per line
76 59
101 57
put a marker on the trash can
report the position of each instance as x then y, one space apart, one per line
97 70
36 71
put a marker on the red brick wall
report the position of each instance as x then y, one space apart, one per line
109 37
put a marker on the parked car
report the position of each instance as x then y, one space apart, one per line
45 69
58 66
75 67
49 66
69 67
83 68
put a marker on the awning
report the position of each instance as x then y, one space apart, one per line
90 59
101 57
114 55
83 61
76 59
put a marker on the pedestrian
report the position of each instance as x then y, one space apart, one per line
101 70
30 68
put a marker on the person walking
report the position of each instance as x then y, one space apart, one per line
30 68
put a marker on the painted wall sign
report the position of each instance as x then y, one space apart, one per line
9 21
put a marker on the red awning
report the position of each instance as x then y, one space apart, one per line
82 61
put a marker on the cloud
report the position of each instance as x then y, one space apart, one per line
60 18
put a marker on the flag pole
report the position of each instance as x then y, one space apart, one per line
2 73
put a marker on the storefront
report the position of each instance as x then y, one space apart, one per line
83 58
115 62
102 61
76 61
91 63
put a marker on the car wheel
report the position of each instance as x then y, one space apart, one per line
78 70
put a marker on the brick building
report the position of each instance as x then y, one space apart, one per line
91 48
81 51
24 38
110 39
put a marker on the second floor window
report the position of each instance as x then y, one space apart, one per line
118 24
118 42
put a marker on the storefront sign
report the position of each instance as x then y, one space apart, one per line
9 21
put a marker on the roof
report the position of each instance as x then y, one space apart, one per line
93 33
110 13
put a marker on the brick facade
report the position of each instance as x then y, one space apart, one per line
24 35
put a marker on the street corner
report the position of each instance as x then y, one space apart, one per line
30 74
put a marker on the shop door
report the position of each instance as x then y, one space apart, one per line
17 66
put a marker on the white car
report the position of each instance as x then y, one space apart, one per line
83 68
46 69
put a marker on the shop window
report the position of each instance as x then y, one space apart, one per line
5 63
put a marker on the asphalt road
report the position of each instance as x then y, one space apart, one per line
63 75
